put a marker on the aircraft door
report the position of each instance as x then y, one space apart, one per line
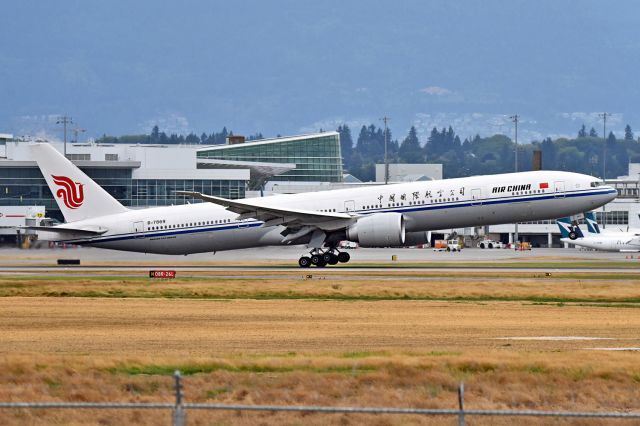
558 189
138 229
476 197
349 206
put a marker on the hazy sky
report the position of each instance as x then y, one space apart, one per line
295 66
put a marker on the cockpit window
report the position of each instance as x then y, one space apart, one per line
596 184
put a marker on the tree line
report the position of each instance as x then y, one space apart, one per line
488 155
470 156
158 137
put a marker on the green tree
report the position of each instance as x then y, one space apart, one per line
155 134
593 133
346 145
582 133
548 149
410 150
628 133
433 146
192 138
163 138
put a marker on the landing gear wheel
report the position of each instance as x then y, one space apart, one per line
321 264
330 258
304 261
316 259
573 235
343 257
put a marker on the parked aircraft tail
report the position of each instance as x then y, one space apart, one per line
568 229
592 223
77 195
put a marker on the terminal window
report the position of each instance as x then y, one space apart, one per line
614 217
79 157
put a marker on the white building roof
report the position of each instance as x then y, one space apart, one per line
268 141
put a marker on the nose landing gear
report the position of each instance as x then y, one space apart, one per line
321 258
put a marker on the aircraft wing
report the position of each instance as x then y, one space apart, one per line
278 216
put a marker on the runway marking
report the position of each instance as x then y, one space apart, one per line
554 338
614 349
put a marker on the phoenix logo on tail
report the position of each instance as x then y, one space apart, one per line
72 193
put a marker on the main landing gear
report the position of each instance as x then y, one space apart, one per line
321 258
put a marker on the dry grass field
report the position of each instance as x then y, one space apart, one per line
385 339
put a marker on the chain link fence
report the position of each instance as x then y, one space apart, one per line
179 408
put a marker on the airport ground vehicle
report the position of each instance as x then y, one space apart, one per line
490 244
373 216
348 245
522 245
447 245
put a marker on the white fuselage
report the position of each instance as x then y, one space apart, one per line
609 241
443 204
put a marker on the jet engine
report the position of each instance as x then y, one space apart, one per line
378 230
416 238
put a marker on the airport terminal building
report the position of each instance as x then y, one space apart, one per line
150 175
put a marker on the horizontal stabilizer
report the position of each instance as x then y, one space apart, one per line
59 233
62 231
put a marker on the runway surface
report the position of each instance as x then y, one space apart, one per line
292 253
283 261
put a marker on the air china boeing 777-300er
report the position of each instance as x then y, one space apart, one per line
375 216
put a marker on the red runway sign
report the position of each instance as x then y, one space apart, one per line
162 274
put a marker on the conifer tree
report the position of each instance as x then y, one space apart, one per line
582 133
410 150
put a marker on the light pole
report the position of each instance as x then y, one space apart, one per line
515 118
385 119
604 116
64 120
75 133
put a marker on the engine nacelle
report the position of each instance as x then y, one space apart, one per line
378 230
416 238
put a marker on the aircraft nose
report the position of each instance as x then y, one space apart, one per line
611 193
